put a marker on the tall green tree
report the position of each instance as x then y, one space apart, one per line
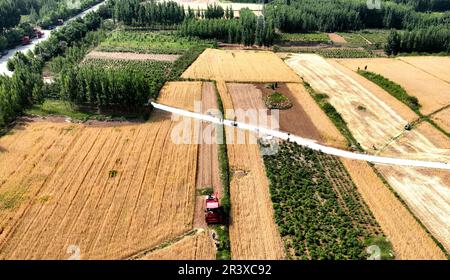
392 46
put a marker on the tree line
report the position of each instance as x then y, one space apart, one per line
106 83
26 86
124 85
138 13
249 29
344 15
433 39
21 90
427 5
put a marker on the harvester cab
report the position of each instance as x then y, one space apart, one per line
213 212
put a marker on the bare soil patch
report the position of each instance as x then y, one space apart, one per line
336 38
294 120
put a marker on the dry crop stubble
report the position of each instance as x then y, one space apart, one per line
432 92
438 66
253 232
181 95
208 159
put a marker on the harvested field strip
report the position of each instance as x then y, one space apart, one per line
400 108
208 158
315 202
227 101
409 240
393 88
399 92
71 197
432 92
426 195
253 232
131 56
240 66
344 92
437 66
246 97
423 142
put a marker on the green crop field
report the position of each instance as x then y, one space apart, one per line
318 209
361 38
149 42
305 37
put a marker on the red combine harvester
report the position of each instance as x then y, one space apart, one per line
25 40
213 212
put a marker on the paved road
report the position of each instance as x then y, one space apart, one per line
306 142
24 49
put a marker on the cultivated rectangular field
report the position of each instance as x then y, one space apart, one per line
375 128
183 95
253 232
198 97
240 66
249 100
109 191
433 92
